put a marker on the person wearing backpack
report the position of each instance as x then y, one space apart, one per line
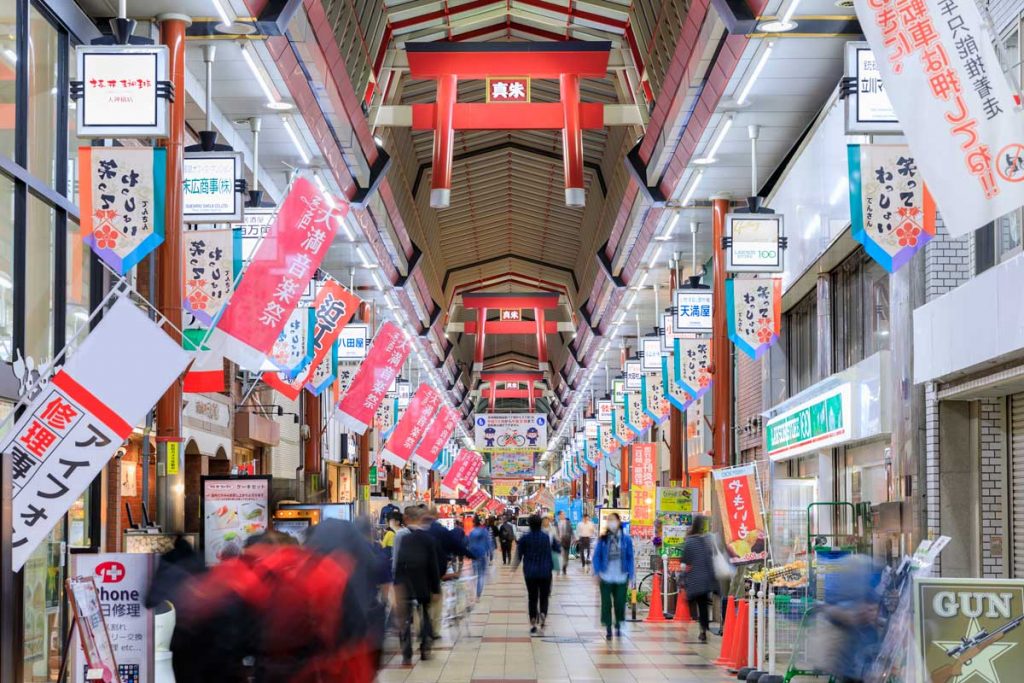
506 534
699 575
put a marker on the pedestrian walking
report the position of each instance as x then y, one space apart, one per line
480 547
613 564
534 551
585 533
565 534
506 534
417 581
699 572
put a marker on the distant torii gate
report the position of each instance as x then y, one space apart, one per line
484 301
568 61
495 378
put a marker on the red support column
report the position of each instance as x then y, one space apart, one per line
721 348
624 471
529 388
572 139
444 142
492 396
542 339
481 324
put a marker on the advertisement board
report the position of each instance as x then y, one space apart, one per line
523 432
823 420
504 488
739 503
232 509
678 499
512 464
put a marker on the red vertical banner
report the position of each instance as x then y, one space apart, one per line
437 435
418 415
645 457
280 271
742 522
477 498
459 472
375 376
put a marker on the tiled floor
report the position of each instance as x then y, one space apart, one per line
496 644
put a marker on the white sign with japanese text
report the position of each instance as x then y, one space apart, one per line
955 104
208 187
70 430
353 342
510 432
868 109
119 91
693 310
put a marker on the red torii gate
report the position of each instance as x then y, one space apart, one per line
539 302
494 378
568 61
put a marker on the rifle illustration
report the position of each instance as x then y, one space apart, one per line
969 648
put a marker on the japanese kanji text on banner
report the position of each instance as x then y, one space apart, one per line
375 376
511 432
740 503
72 428
412 425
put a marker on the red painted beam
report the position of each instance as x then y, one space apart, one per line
536 64
511 327
488 300
515 393
509 116
511 376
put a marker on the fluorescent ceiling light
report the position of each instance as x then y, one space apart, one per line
745 90
654 257
293 134
327 194
667 233
709 157
257 72
693 187
221 12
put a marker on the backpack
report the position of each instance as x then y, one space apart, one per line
505 532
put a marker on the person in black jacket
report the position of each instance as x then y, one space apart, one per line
534 550
699 575
417 582
506 534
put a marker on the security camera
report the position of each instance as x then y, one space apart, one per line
120 452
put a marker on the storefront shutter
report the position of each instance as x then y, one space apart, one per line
1017 481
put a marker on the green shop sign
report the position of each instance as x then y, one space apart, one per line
822 421
373 475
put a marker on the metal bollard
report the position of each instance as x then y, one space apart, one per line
772 617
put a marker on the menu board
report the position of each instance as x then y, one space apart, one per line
233 509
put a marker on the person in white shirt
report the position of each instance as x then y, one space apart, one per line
585 533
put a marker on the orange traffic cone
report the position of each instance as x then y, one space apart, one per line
682 615
728 633
656 613
739 653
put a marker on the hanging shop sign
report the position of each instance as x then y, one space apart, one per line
353 342
388 352
525 432
618 391
969 629
412 425
512 464
754 313
641 511
868 109
645 457
121 195
693 311
652 392
633 412
692 360
606 440
232 509
958 113
591 427
70 430
668 332
650 354
739 500
123 581
93 635
384 418
891 211
255 226
674 391
631 373
808 427
508 89
477 499
211 260
436 436
677 500
293 349
325 373
588 454
623 434
755 242
281 269
212 187
604 411
123 92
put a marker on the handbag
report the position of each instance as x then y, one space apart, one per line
724 571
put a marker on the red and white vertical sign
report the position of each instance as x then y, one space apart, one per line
278 275
387 353
468 481
463 470
411 427
645 458
437 435
740 504
477 498
69 432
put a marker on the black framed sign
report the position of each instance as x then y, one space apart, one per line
122 91
755 242
211 192
868 109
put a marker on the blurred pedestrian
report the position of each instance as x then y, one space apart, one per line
613 564
417 582
535 552
699 571
585 533
480 544
565 534
506 534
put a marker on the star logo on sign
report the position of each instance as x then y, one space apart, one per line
982 667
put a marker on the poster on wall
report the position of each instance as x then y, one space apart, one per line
123 91
522 432
892 213
739 503
232 509
754 313
512 464
121 195
122 580
211 191
958 112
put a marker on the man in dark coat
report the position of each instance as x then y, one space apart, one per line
417 582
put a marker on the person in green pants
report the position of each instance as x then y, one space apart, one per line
613 566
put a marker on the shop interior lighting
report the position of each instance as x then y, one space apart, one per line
293 134
709 158
693 187
745 90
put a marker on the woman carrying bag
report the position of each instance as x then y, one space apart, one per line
700 577
613 566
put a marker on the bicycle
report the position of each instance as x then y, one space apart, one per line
644 586
511 439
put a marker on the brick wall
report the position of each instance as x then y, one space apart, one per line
993 486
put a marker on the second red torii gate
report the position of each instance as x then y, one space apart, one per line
538 301
495 378
568 61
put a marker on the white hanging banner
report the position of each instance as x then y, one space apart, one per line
954 101
79 419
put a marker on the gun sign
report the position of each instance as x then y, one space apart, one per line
968 627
